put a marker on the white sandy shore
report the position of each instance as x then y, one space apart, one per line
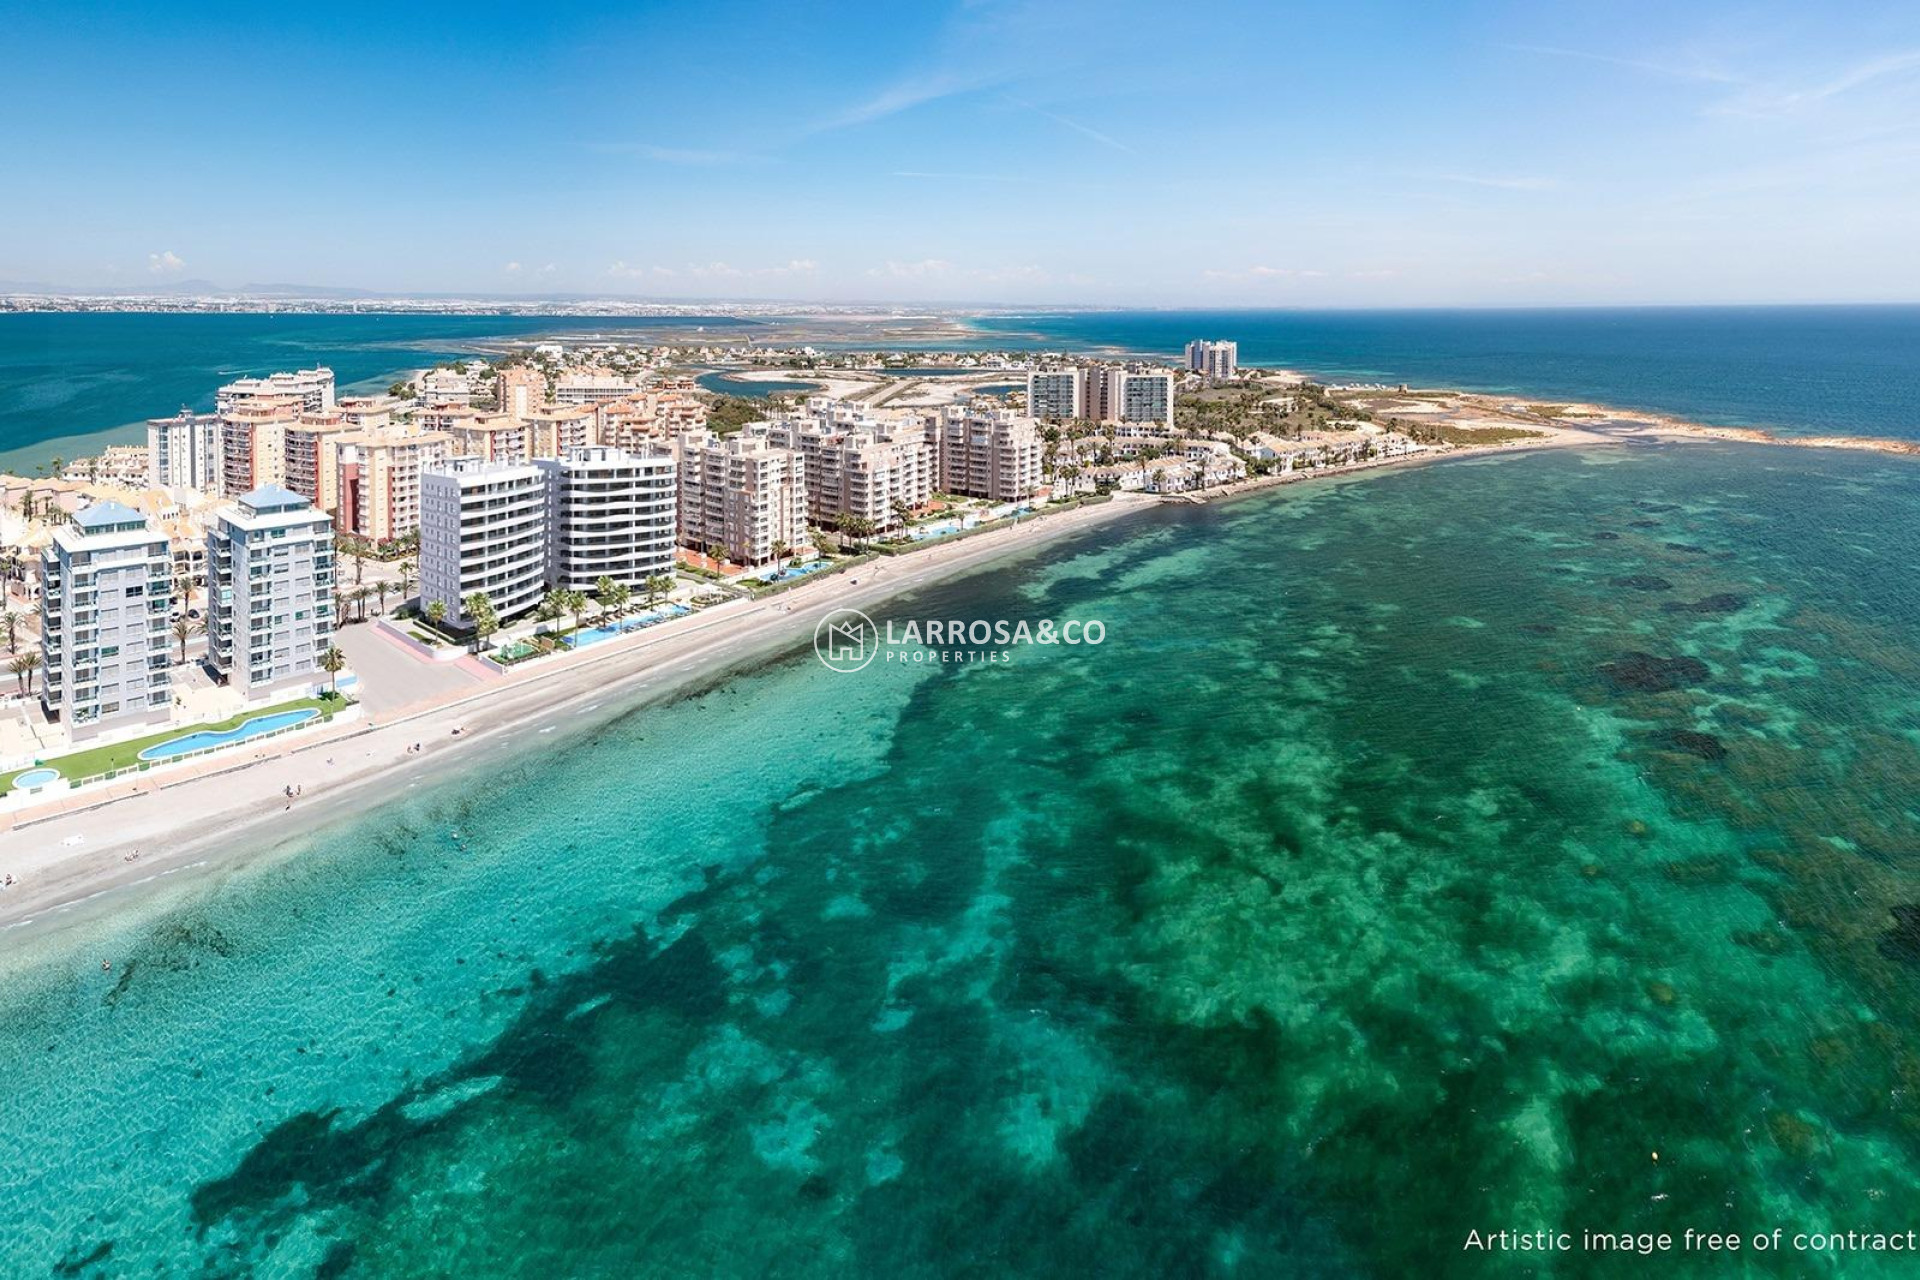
210 818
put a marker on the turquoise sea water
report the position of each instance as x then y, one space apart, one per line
1816 370
72 383
1420 853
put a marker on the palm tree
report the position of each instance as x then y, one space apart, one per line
780 552
23 666
381 588
12 622
436 611
184 630
576 604
658 584
551 606
859 528
360 596
409 579
479 608
332 662
604 591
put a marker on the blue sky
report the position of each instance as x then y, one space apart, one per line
988 152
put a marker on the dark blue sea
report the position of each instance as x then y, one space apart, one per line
70 383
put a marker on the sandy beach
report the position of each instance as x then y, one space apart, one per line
82 853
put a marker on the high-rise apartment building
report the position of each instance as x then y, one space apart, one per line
1213 360
612 514
985 452
1054 393
269 590
183 452
740 497
106 579
312 388
483 527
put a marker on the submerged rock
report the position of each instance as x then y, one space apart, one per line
1606 535
1725 602
1643 524
1687 547
1698 871
1902 942
1693 743
1768 942
1638 672
1643 582
1538 628
1662 993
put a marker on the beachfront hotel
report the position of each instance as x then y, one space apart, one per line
106 579
612 514
269 590
1215 361
483 527
183 452
312 388
984 451
740 497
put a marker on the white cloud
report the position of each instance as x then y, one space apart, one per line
621 271
1263 273
512 268
165 263
921 270
1499 182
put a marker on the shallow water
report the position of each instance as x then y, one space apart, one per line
1419 853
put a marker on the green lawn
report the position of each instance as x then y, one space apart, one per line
124 755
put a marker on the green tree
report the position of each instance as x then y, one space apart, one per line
436 612
603 593
333 662
576 604
780 552
12 621
184 630
658 585
479 611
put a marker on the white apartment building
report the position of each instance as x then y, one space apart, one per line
106 579
483 527
985 452
312 387
593 388
741 497
269 591
1213 360
183 452
1054 393
446 386
1116 394
612 514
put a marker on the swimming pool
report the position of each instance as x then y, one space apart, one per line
35 778
796 571
206 738
581 639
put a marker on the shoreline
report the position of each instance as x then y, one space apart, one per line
208 821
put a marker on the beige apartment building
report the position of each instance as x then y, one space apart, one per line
984 451
523 390
870 471
558 429
379 481
495 437
253 443
740 497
